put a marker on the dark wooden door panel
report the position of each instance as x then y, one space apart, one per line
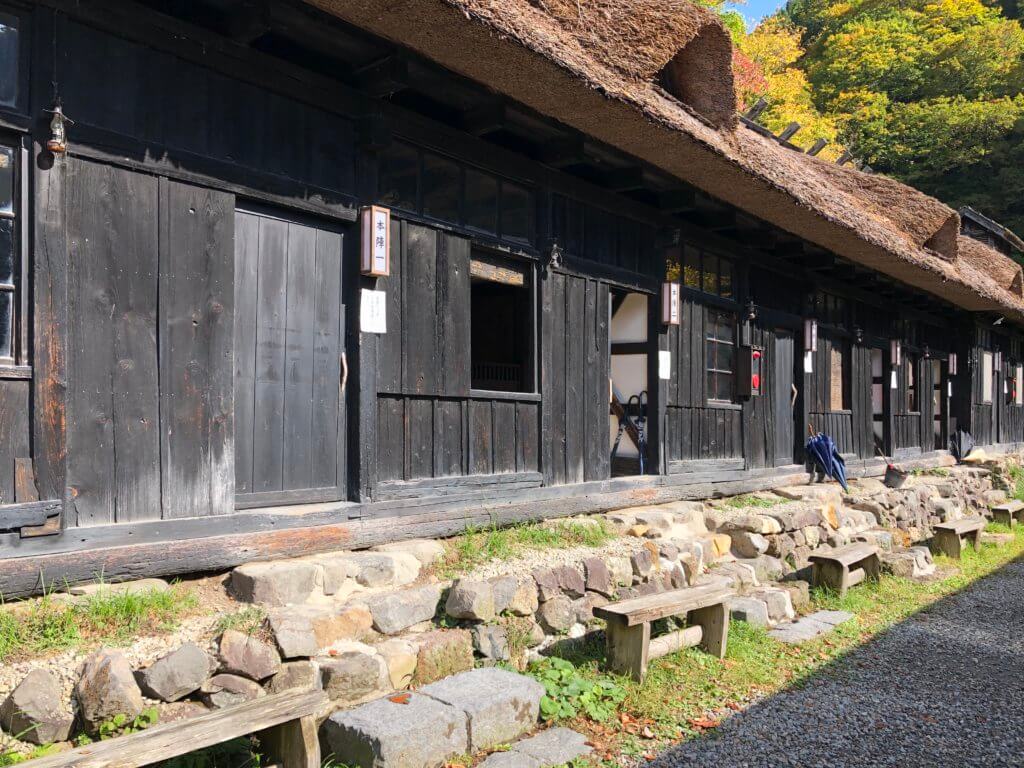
782 388
288 342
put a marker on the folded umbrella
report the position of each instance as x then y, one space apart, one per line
822 449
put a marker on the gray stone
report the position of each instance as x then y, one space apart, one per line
556 615
229 690
354 675
241 654
499 705
421 733
470 600
585 606
554 746
278 583
778 601
385 569
547 584
621 570
747 544
832 618
400 657
750 610
504 589
511 759
793 519
295 675
570 580
491 641
107 688
658 521
176 675
427 551
400 610
307 630
668 551
766 567
799 593
642 563
35 711
599 577
810 627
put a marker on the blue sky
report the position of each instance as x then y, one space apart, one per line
755 10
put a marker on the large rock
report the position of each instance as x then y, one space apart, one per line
400 657
750 610
747 544
658 521
499 706
354 675
818 492
622 571
427 551
504 590
308 630
441 653
35 711
765 567
598 577
176 675
491 641
556 615
107 688
295 675
778 601
563 579
385 569
400 610
795 518
642 562
470 600
285 582
229 690
416 732
241 654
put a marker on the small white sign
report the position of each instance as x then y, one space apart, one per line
949 388
373 311
892 380
809 361
664 364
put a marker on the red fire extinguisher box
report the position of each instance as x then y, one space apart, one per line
750 371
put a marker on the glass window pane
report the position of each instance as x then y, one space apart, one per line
481 201
516 213
399 175
710 273
6 179
725 387
441 187
6 251
712 386
725 279
710 350
725 357
6 307
8 59
691 267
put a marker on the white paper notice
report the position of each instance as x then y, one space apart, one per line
373 311
664 364
892 380
808 361
949 388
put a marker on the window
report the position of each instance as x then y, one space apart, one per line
986 377
481 201
831 309
9 60
839 377
442 187
9 252
913 393
501 320
720 348
399 177
706 272
516 213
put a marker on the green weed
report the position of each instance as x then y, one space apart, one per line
749 500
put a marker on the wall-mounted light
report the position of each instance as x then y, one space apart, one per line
858 334
58 141
894 351
751 310
927 352
670 311
375 258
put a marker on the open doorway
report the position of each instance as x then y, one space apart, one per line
628 417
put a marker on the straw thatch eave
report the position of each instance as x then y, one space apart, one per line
517 49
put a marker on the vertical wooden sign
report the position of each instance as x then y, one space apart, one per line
670 312
376 244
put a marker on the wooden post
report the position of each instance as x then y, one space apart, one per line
947 543
293 744
627 648
714 621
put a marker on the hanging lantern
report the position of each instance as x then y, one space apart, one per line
58 141
811 335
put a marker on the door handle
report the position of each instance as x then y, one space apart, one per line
344 374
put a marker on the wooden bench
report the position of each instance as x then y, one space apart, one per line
845 567
629 641
284 723
948 538
1009 513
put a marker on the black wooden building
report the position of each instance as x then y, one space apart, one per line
188 377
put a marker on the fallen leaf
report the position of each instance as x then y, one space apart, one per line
400 698
705 723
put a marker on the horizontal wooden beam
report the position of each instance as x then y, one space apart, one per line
14 516
625 180
677 201
563 153
383 78
485 120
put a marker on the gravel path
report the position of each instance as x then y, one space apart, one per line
944 688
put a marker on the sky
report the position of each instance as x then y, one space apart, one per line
755 10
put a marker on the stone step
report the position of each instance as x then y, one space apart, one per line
468 712
554 747
809 627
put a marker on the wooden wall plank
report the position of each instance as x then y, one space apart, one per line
247 235
453 323
481 460
390 345
196 329
578 335
391 438
504 436
329 345
300 308
420 437
421 358
14 429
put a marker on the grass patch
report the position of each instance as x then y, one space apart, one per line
249 621
748 500
686 693
48 624
483 545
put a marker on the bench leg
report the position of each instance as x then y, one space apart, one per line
714 621
947 543
976 538
294 744
831 575
1018 516
872 567
1004 517
627 648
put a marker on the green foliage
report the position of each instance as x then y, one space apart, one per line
49 624
749 500
570 694
248 621
235 753
121 725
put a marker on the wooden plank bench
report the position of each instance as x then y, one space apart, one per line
948 538
845 567
284 723
1009 513
629 642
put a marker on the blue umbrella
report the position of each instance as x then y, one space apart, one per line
822 449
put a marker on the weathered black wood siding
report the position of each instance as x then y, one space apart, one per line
150 405
14 433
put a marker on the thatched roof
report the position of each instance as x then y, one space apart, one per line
594 65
